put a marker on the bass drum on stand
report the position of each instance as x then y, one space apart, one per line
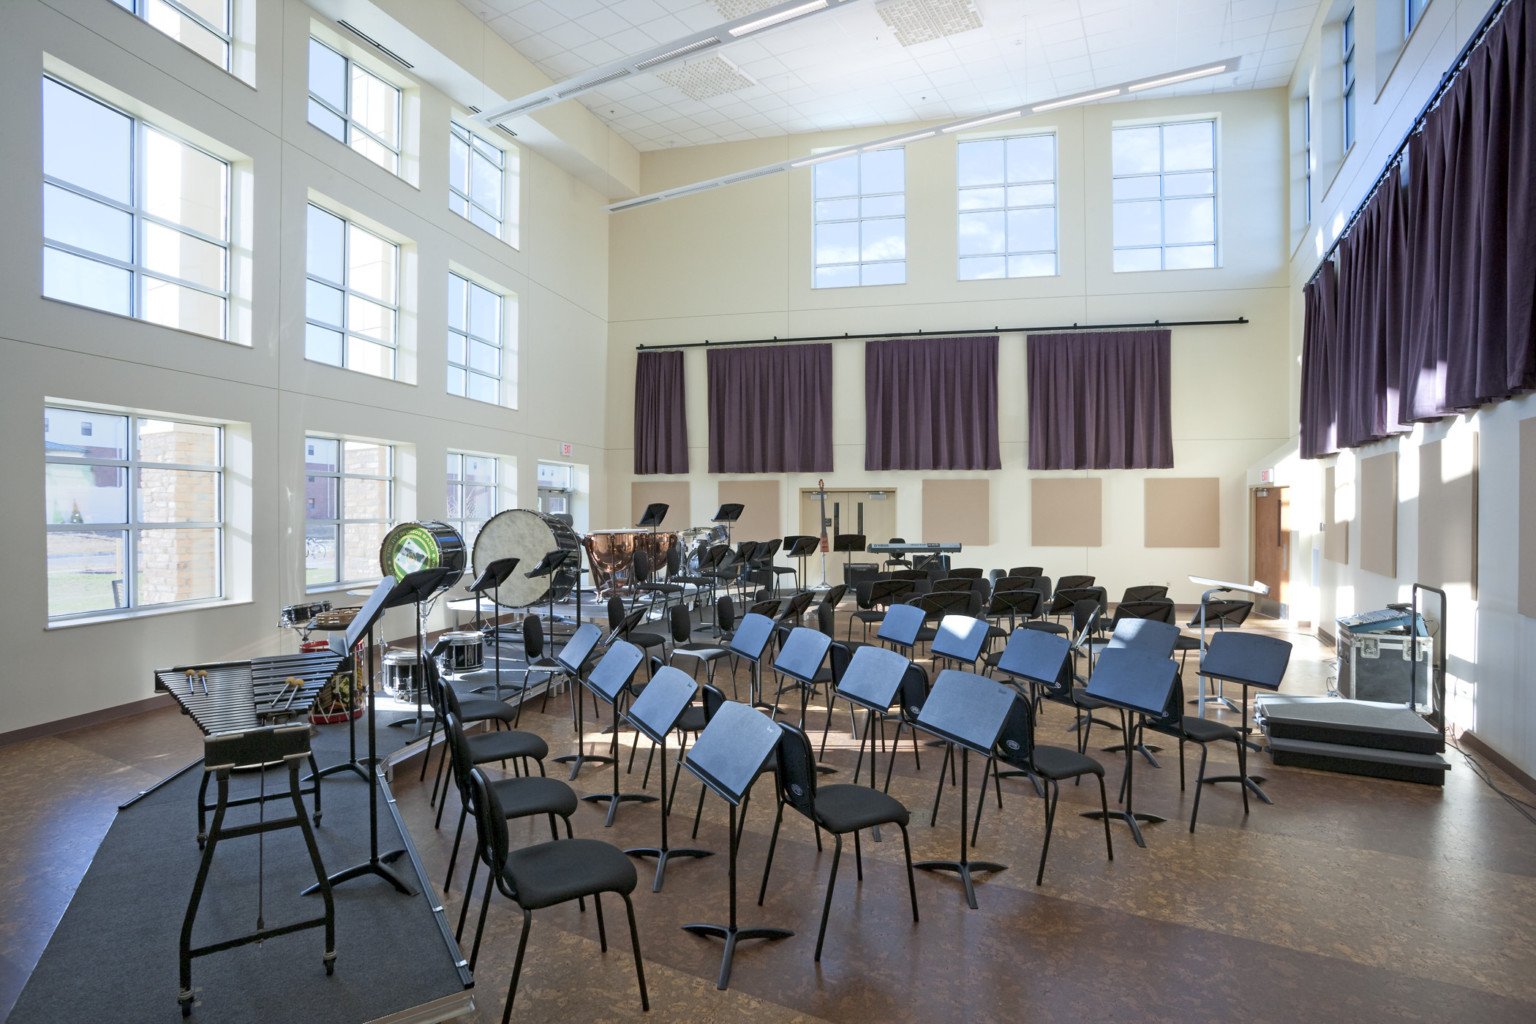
527 536
411 547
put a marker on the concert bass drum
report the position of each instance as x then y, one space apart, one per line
411 547
527 536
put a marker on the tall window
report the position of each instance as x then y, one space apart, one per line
203 26
135 221
1007 207
1165 196
354 106
557 482
351 303
861 219
1349 79
1306 115
348 508
474 340
476 178
472 493
1413 10
134 511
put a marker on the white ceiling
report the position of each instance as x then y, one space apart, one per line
845 68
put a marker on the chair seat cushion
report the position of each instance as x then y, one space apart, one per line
1187 643
1044 626
1062 763
869 615
692 719
1203 730
703 652
504 743
640 639
846 807
565 869
485 709
521 798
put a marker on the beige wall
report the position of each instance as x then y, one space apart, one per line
1491 647
734 263
267 388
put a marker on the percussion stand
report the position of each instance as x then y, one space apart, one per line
494 576
548 566
388 594
419 597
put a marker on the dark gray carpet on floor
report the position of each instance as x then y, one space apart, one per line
113 957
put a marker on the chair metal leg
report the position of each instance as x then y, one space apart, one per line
1109 845
453 857
1050 821
906 846
773 843
469 888
1199 779
602 932
634 940
485 904
858 856
826 905
517 966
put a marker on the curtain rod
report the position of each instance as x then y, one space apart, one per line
1391 166
1057 329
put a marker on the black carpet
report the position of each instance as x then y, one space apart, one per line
113 957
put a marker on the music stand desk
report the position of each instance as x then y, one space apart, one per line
727 758
608 680
871 680
494 576
654 714
1138 683
571 658
800 659
960 638
968 711
1248 659
902 623
750 641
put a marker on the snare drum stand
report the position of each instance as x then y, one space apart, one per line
424 724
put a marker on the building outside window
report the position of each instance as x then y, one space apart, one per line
134 511
1349 79
860 220
472 493
354 106
1007 201
202 26
1165 196
351 299
348 508
135 221
557 485
475 349
476 178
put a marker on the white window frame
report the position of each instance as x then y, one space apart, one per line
133 527
350 125
505 383
1054 206
1162 198
1347 77
464 203
553 491
1306 114
137 176
145 10
341 476
1413 13
347 291
859 197
461 522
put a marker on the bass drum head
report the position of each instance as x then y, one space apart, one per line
411 547
527 536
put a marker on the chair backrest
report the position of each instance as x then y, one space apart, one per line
616 612
797 770
1085 619
834 595
1172 718
533 638
640 566
838 657
458 749
826 619
1016 741
913 692
682 623
967 573
1026 570
1145 592
490 822
674 559
725 612
910 574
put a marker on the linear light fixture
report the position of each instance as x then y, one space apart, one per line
777 19
1183 75
658 57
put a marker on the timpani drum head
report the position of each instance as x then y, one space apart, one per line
527 536
411 547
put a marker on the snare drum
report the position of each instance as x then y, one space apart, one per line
402 676
298 616
527 536
466 650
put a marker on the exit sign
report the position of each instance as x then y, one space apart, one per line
566 449
1266 476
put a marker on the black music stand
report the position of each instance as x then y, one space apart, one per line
654 714
728 514
802 547
367 615
388 594
494 576
608 680
1248 659
969 711
1138 683
1219 587
1151 637
749 641
571 658
549 565
417 588
726 758
902 625
871 680
800 659
959 638
848 543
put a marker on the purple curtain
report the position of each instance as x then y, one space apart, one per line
661 414
770 409
931 403
1370 320
1100 401
1319 399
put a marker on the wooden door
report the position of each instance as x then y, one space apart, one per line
872 513
1272 548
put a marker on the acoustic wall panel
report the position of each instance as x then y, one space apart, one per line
760 520
1448 513
1335 526
1378 514
957 510
1066 512
1528 517
672 492
1183 512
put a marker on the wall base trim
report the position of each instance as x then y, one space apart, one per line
112 714
1482 749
